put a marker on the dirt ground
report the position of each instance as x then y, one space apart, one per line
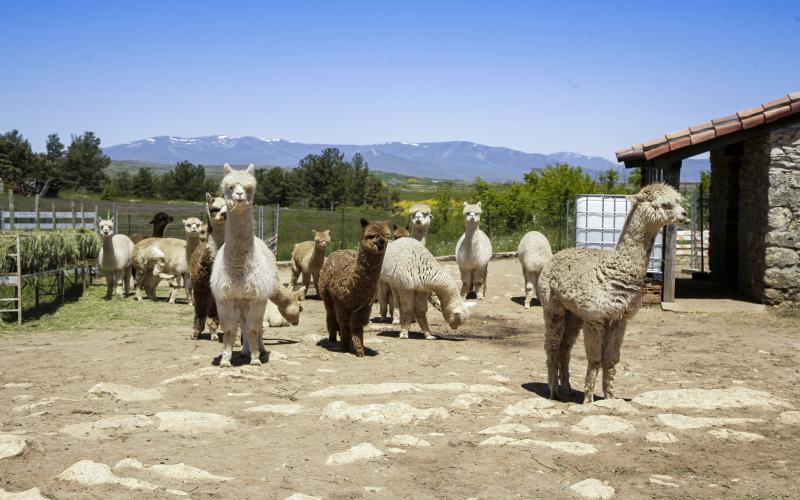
467 379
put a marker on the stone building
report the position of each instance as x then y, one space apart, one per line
755 196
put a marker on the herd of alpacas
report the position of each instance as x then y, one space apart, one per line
231 278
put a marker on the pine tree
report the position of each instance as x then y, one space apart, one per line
144 183
85 163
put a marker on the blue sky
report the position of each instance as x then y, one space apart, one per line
588 77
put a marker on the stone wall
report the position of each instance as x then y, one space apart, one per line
752 216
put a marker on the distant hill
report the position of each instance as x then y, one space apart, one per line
459 160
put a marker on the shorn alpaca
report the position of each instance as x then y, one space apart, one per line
413 274
159 221
533 252
308 257
244 273
200 264
473 253
386 299
349 283
600 290
420 215
115 258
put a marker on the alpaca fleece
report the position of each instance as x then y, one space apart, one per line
349 283
115 258
533 252
600 291
473 253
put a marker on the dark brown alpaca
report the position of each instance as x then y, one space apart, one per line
200 265
348 284
159 222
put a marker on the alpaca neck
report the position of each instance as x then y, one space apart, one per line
635 244
158 231
419 232
443 286
368 265
470 228
318 255
192 240
216 234
239 232
108 247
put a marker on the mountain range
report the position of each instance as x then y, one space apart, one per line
460 160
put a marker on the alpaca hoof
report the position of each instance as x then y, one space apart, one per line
225 363
195 336
588 398
215 337
403 335
395 321
359 354
428 336
254 361
527 306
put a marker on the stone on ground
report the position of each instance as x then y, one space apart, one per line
301 496
194 422
466 400
122 392
616 406
388 413
31 494
506 429
661 437
710 399
12 446
730 435
663 481
593 489
790 417
90 473
129 463
571 447
685 422
527 407
280 409
183 472
106 427
406 440
355 390
596 425
497 440
360 452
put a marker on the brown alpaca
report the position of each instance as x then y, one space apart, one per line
400 232
159 222
348 285
308 257
200 265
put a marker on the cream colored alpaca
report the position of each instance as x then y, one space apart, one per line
195 229
413 274
289 314
473 253
115 259
308 257
600 290
533 253
420 215
244 273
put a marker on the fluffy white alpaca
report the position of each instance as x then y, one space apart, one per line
115 258
413 274
244 273
533 252
421 218
473 253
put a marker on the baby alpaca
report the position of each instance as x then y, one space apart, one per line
421 218
308 257
413 274
348 285
115 258
600 291
473 253
533 253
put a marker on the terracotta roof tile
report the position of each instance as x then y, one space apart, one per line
680 142
654 142
724 119
795 106
701 126
775 113
660 150
745 113
679 133
776 102
795 96
703 136
728 127
753 121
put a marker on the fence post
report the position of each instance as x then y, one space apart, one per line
36 211
83 217
341 232
566 233
276 218
53 214
72 209
11 209
96 215
129 222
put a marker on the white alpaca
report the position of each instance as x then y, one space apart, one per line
115 258
244 273
533 252
473 253
600 291
421 218
413 274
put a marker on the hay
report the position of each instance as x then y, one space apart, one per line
48 250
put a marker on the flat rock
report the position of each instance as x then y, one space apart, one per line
497 441
17 385
183 472
730 435
500 378
595 425
280 409
406 440
244 372
12 446
593 489
301 496
122 392
526 407
360 452
194 422
466 400
663 481
710 399
31 494
571 447
506 429
388 413
684 422
106 427
661 437
90 473
396 451
616 406
790 417
129 463
404 387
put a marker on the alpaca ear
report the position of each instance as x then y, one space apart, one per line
479 204
183 221
465 204
314 232
407 227
364 222
209 198
170 219
227 169
111 219
251 169
394 227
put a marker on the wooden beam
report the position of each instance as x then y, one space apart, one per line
672 176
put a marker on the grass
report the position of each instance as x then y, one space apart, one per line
48 250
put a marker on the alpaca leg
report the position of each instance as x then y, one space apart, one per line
394 307
127 280
253 329
187 283
383 299
479 281
421 313
212 318
466 282
593 341
554 332
293 279
343 320
535 282
199 315
358 319
228 321
611 348
528 289
572 327
109 285
330 318
306 279
406 303
315 277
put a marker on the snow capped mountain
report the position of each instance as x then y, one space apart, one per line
444 160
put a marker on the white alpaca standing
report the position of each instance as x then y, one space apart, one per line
473 253
244 272
600 291
413 274
115 258
533 252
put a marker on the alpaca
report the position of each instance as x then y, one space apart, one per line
115 258
386 298
473 252
533 253
348 285
288 312
193 227
160 258
244 273
600 291
400 232
200 264
159 222
308 257
421 218
413 274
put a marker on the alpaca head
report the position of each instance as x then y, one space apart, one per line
291 311
322 238
399 232
375 237
216 210
192 225
203 232
160 221
659 204
105 226
456 316
239 188
420 215
472 213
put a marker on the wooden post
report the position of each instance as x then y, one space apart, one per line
72 209
19 281
36 211
83 217
672 176
53 214
11 209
